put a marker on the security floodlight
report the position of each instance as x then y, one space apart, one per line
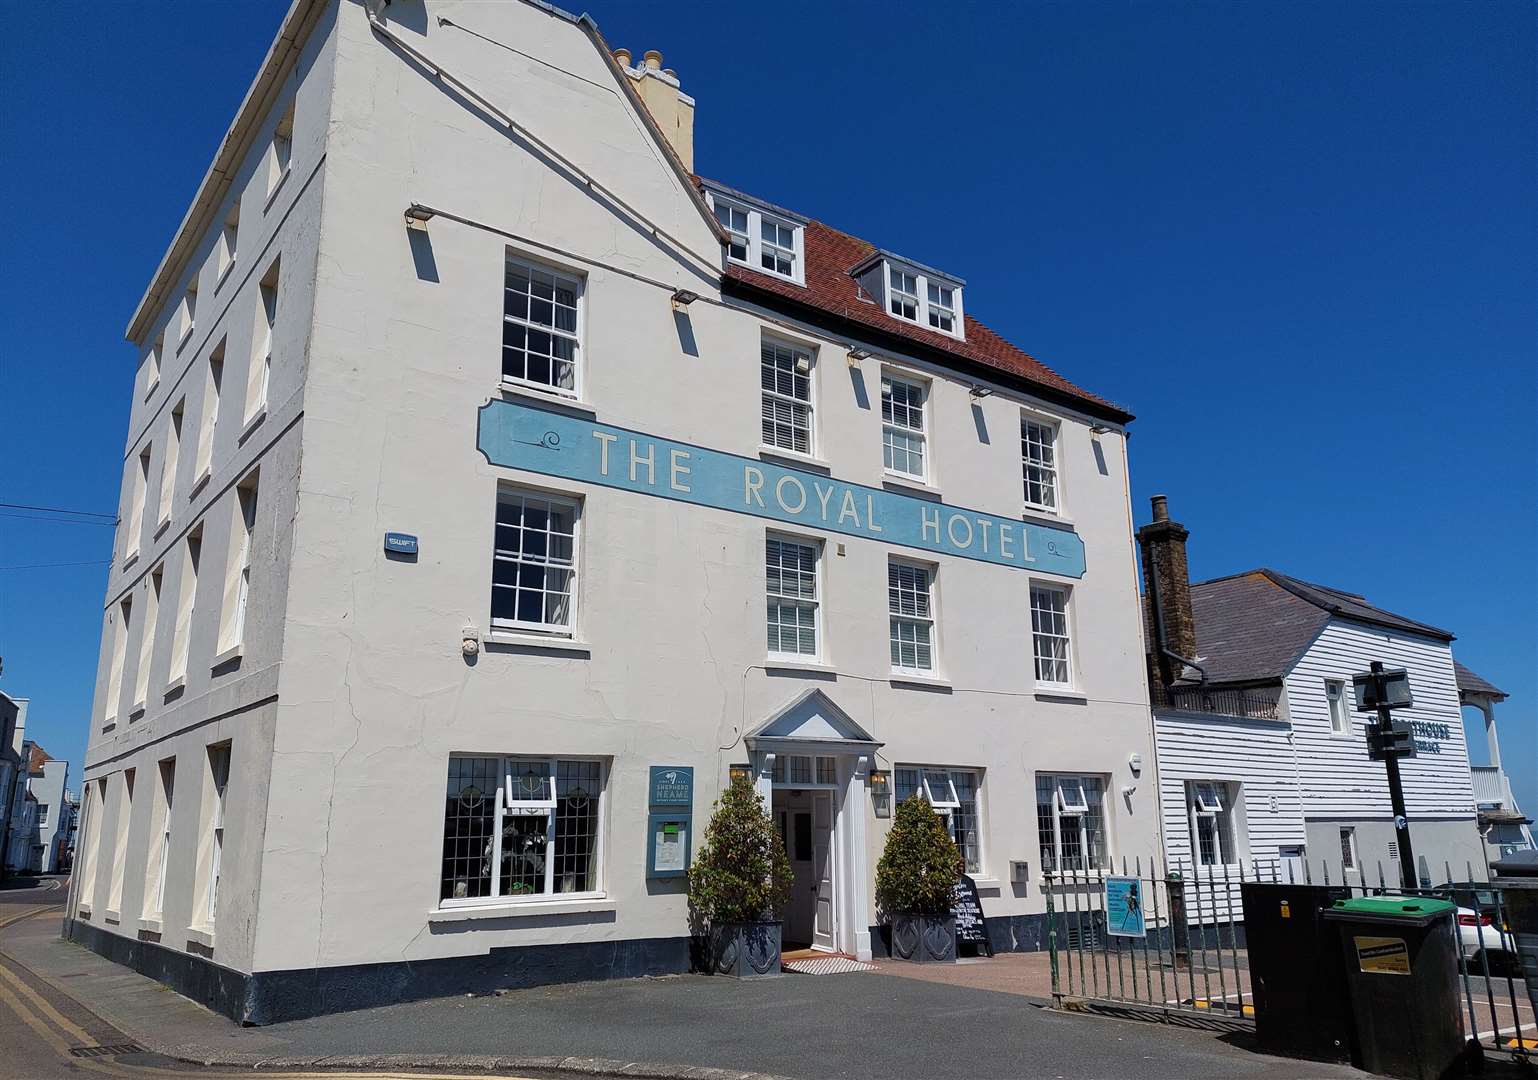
682 298
856 355
981 391
417 217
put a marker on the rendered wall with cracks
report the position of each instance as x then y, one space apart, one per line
375 694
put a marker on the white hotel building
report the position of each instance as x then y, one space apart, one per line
483 460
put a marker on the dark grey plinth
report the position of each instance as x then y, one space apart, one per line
924 939
745 950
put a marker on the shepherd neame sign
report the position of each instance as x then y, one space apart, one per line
518 435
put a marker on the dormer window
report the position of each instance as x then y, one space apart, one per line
902 294
760 238
942 308
912 292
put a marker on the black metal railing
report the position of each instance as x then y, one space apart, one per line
1193 959
1258 704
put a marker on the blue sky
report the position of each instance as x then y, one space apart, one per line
1295 239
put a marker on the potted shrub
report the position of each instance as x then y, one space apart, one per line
915 883
738 883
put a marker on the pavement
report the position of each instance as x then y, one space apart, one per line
857 1025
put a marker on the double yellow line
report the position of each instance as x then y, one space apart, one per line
62 1034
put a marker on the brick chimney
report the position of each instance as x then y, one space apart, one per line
1167 618
670 107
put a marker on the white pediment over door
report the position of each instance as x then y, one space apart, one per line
811 717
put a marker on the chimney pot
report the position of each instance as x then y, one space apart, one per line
653 60
1161 507
622 57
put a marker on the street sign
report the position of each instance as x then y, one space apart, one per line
1396 739
1124 907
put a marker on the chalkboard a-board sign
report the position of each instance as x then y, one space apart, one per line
968 910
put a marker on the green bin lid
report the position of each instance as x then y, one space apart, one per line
1390 907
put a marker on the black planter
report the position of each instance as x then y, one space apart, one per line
745 950
924 939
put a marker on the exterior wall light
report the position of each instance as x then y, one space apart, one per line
981 391
881 793
682 298
417 217
741 771
856 355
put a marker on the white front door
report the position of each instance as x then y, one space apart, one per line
822 870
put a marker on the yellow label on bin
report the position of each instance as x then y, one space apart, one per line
1385 955
1286 910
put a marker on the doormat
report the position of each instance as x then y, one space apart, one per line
827 965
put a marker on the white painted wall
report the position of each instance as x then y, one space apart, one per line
353 691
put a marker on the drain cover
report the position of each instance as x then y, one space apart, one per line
105 1051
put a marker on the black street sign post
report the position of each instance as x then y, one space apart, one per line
1381 691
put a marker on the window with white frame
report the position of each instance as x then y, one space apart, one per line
903 440
1347 848
169 461
785 381
1070 822
519 828
534 562
1340 715
953 794
1211 804
919 296
120 846
219 778
187 590
792 596
1050 641
1038 463
734 219
541 310
803 770
902 294
942 307
911 617
147 622
760 239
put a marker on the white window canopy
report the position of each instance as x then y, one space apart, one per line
913 292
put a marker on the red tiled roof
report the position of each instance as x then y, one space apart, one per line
831 254
39 755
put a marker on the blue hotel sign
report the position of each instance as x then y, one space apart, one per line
517 435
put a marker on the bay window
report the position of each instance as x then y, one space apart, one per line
1070 822
517 828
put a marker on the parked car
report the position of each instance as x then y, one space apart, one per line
1484 944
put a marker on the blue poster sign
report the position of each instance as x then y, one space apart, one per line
519 435
671 785
1124 907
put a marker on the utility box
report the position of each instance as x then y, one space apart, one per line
1302 1008
1401 964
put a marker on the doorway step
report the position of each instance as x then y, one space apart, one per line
810 962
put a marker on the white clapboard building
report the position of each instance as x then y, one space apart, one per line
1263 764
495 488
